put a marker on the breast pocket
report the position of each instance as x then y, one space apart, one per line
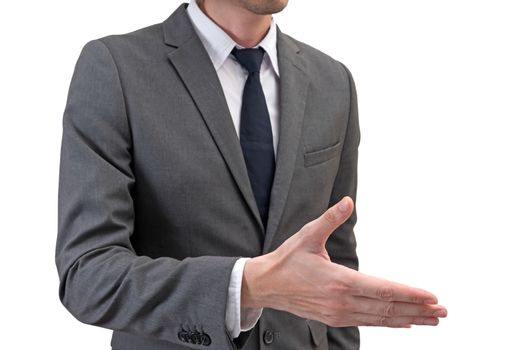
322 155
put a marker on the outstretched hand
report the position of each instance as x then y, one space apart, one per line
299 277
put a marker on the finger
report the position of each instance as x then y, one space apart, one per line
395 322
331 219
380 289
395 308
396 326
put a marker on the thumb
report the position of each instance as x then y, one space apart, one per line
321 228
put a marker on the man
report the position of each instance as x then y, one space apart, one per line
190 146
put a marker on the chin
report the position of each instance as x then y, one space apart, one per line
264 7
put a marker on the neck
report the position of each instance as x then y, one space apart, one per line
246 28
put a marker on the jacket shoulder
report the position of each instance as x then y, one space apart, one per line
144 44
323 70
317 59
148 39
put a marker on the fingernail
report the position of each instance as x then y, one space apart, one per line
440 313
343 206
431 321
430 301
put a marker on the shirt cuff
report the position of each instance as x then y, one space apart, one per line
238 319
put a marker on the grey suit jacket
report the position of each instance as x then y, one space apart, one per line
155 203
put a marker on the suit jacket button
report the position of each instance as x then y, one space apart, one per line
268 337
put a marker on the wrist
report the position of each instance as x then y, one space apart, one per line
257 284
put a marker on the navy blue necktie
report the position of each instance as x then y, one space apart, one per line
256 131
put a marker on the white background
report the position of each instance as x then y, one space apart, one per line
441 88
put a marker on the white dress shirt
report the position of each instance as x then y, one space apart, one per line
232 77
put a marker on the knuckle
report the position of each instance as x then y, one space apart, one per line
330 217
333 307
383 321
354 286
385 293
390 309
416 299
352 306
339 298
307 227
336 289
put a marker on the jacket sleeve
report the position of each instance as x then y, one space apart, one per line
341 245
103 282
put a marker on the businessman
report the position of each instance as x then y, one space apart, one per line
207 177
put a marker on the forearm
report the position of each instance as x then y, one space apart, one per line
115 289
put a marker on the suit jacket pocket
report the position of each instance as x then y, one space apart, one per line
321 155
318 332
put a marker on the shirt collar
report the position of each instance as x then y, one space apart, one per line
219 45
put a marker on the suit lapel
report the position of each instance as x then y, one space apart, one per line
293 91
196 70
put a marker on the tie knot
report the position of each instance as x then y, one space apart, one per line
250 59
